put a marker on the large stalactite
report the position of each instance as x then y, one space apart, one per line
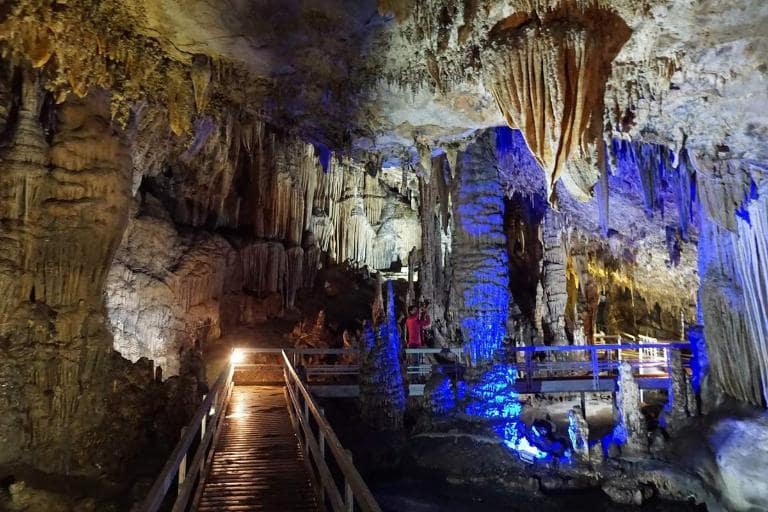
547 72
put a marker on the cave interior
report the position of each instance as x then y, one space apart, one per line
504 186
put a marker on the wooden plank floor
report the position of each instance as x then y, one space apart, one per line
258 464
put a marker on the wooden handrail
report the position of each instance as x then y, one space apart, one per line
355 486
205 422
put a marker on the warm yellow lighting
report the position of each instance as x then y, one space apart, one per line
237 357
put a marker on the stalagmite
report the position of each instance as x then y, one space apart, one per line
678 406
294 275
479 289
630 431
553 279
382 393
578 432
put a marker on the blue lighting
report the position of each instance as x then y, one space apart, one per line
384 343
743 209
495 399
700 360
480 213
324 155
443 397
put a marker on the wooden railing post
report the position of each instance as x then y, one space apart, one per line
595 369
349 496
183 464
321 442
203 423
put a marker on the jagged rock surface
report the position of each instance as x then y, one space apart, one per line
480 284
382 392
70 403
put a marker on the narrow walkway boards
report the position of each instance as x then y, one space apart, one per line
258 464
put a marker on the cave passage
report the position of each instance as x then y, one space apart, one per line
383 255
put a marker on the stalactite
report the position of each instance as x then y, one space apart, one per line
603 192
683 187
548 79
294 274
649 160
201 79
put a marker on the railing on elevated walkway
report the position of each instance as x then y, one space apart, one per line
545 369
199 439
305 412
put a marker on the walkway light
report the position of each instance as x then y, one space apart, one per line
237 357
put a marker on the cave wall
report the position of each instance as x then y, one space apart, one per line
733 275
164 291
70 404
559 265
226 231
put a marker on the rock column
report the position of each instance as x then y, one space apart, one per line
480 286
631 431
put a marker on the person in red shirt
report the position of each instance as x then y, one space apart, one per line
417 321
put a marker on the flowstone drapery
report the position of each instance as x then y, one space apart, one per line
548 77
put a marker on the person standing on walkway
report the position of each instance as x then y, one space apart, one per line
417 321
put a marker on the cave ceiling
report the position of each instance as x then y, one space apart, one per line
361 74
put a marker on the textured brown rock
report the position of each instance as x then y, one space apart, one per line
553 280
548 77
68 398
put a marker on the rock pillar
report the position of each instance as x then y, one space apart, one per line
480 286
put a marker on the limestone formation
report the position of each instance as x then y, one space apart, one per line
578 432
69 398
479 261
630 432
679 405
382 393
548 171
553 280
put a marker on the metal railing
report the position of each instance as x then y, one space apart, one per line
316 444
530 361
205 426
328 362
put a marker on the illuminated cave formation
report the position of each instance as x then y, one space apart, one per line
548 77
561 202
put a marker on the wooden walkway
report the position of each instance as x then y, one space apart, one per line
258 464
